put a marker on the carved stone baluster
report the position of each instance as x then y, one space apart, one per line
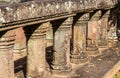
49 46
112 30
79 39
61 63
6 54
92 38
36 35
20 44
102 29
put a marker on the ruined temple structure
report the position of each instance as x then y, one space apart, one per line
59 38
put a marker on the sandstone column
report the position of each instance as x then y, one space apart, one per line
36 35
49 46
20 44
61 63
102 29
112 30
79 38
6 54
92 38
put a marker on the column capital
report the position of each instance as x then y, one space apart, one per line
105 13
66 24
95 16
7 40
82 18
39 32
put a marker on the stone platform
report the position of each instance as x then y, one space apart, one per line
98 66
104 65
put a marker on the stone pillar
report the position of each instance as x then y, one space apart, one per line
102 29
92 34
20 44
36 35
112 30
49 46
61 63
78 55
6 54
118 27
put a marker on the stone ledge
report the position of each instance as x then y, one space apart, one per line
22 23
40 8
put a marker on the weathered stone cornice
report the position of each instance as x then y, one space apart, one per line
27 22
27 12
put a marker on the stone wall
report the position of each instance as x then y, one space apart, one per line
44 8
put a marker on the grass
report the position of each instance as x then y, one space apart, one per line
117 75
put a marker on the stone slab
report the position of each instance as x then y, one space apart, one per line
101 66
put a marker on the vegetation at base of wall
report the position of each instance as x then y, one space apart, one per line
117 75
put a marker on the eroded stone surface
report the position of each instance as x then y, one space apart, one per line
40 8
6 54
99 65
61 62
36 51
79 39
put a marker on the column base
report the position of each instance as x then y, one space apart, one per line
91 48
102 44
59 76
45 74
36 74
41 75
19 74
112 43
91 51
61 70
79 59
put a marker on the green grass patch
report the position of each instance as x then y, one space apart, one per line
117 76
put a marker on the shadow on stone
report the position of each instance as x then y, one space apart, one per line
49 55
